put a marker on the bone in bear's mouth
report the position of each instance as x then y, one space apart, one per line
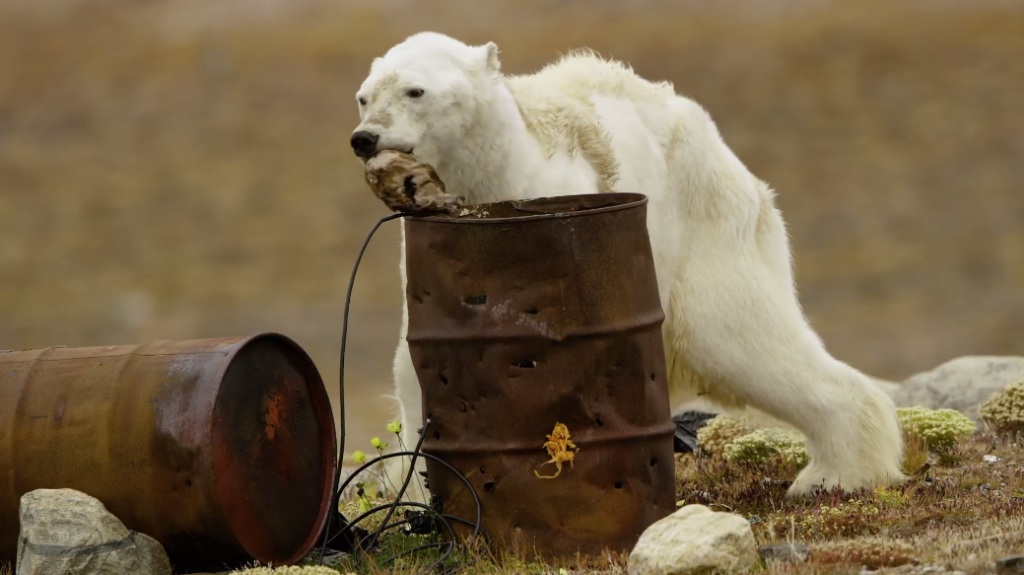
409 186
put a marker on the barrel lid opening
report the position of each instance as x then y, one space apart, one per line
540 208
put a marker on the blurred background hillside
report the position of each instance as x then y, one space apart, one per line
181 168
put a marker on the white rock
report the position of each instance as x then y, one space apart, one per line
961 384
65 531
695 540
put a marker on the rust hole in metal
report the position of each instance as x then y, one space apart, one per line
618 485
653 377
489 486
654 461
462 406
483 469
444 380
476 299
525 364
599 421
188 483
437 435
532 311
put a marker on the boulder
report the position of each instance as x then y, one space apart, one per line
65 531
695 540
961 384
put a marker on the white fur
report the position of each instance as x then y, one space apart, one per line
734 331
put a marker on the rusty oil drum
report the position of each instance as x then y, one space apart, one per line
221 449
544 311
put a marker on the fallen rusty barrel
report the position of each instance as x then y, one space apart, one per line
526 314
221 449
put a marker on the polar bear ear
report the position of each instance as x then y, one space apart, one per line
491 57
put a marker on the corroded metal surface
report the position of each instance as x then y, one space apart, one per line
221 449
525 314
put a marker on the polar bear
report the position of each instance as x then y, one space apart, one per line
734 330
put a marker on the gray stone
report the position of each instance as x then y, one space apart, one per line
962 384
785 552
695 541
1009 565
65 531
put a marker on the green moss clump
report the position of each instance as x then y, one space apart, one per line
761 445
1003 412
937 428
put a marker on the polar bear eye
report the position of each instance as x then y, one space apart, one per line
362 101
415 92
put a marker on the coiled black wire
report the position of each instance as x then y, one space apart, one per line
443 520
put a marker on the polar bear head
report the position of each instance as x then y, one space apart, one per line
423 96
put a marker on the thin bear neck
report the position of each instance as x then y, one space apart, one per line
489 165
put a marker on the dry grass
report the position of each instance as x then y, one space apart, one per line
963 516
958 517
179 169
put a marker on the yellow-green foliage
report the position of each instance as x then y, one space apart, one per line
1004 411
738 440
845 520
293 570
721 431
938 428
892 499
760 445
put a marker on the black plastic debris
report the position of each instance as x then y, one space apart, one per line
687 424
424 522
342 538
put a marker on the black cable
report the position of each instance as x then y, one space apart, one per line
408 478
476 498
441 519
336 496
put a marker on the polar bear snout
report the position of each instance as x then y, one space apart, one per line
365 143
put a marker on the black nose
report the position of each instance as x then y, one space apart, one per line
364 143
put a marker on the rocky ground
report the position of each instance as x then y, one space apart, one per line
962 510
961 515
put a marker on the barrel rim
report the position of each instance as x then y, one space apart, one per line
328 495
637 200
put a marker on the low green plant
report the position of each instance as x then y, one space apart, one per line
292 570
761 445
1003 412
891 498
847 519
938 428
721 431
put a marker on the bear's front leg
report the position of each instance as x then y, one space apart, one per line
745 342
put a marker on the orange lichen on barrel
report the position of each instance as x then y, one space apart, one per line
558 446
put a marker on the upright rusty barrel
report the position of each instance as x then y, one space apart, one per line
530 313
221 449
